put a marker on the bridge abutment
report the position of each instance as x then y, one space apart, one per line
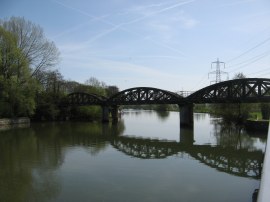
186 115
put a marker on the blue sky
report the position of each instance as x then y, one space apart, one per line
164 44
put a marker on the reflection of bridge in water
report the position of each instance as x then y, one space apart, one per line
240 162
244 162
234 160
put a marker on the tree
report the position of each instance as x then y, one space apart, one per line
92 81
93 85
50 96
111 90
17 88
53 82
239 75
39 52
230 111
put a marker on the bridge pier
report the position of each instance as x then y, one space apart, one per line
114 113
186 115
105 114
187 135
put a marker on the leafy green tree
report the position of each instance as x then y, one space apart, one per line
40 53
17 88
93 85
49 98
111 90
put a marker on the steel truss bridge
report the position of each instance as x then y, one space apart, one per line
248 90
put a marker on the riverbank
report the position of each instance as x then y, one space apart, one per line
20 122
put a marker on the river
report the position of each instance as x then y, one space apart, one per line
145 157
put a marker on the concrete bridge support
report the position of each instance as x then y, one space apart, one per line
187 135
105 114
186 115
114 113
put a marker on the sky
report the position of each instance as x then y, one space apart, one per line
154 43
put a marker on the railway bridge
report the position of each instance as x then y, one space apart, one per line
247 90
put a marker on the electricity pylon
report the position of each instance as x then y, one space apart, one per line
217 72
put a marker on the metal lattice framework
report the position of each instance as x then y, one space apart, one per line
249 90
145 95
81 99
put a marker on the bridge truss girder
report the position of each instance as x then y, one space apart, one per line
82 99
249 90
145 95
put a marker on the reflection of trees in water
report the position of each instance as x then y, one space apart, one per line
26 167
163 115
134 111
199 116
93 137
232 135
30 156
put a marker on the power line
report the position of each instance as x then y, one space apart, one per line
247 62
266 71
251 61
217 72
249 50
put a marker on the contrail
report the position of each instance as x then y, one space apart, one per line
120 26
100 35
72 29
157 12
141 8
234 3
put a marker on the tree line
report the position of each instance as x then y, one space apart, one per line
30 85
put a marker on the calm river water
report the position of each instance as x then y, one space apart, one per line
145 157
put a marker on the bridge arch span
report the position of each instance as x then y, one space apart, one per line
82 99
247 90
145 95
